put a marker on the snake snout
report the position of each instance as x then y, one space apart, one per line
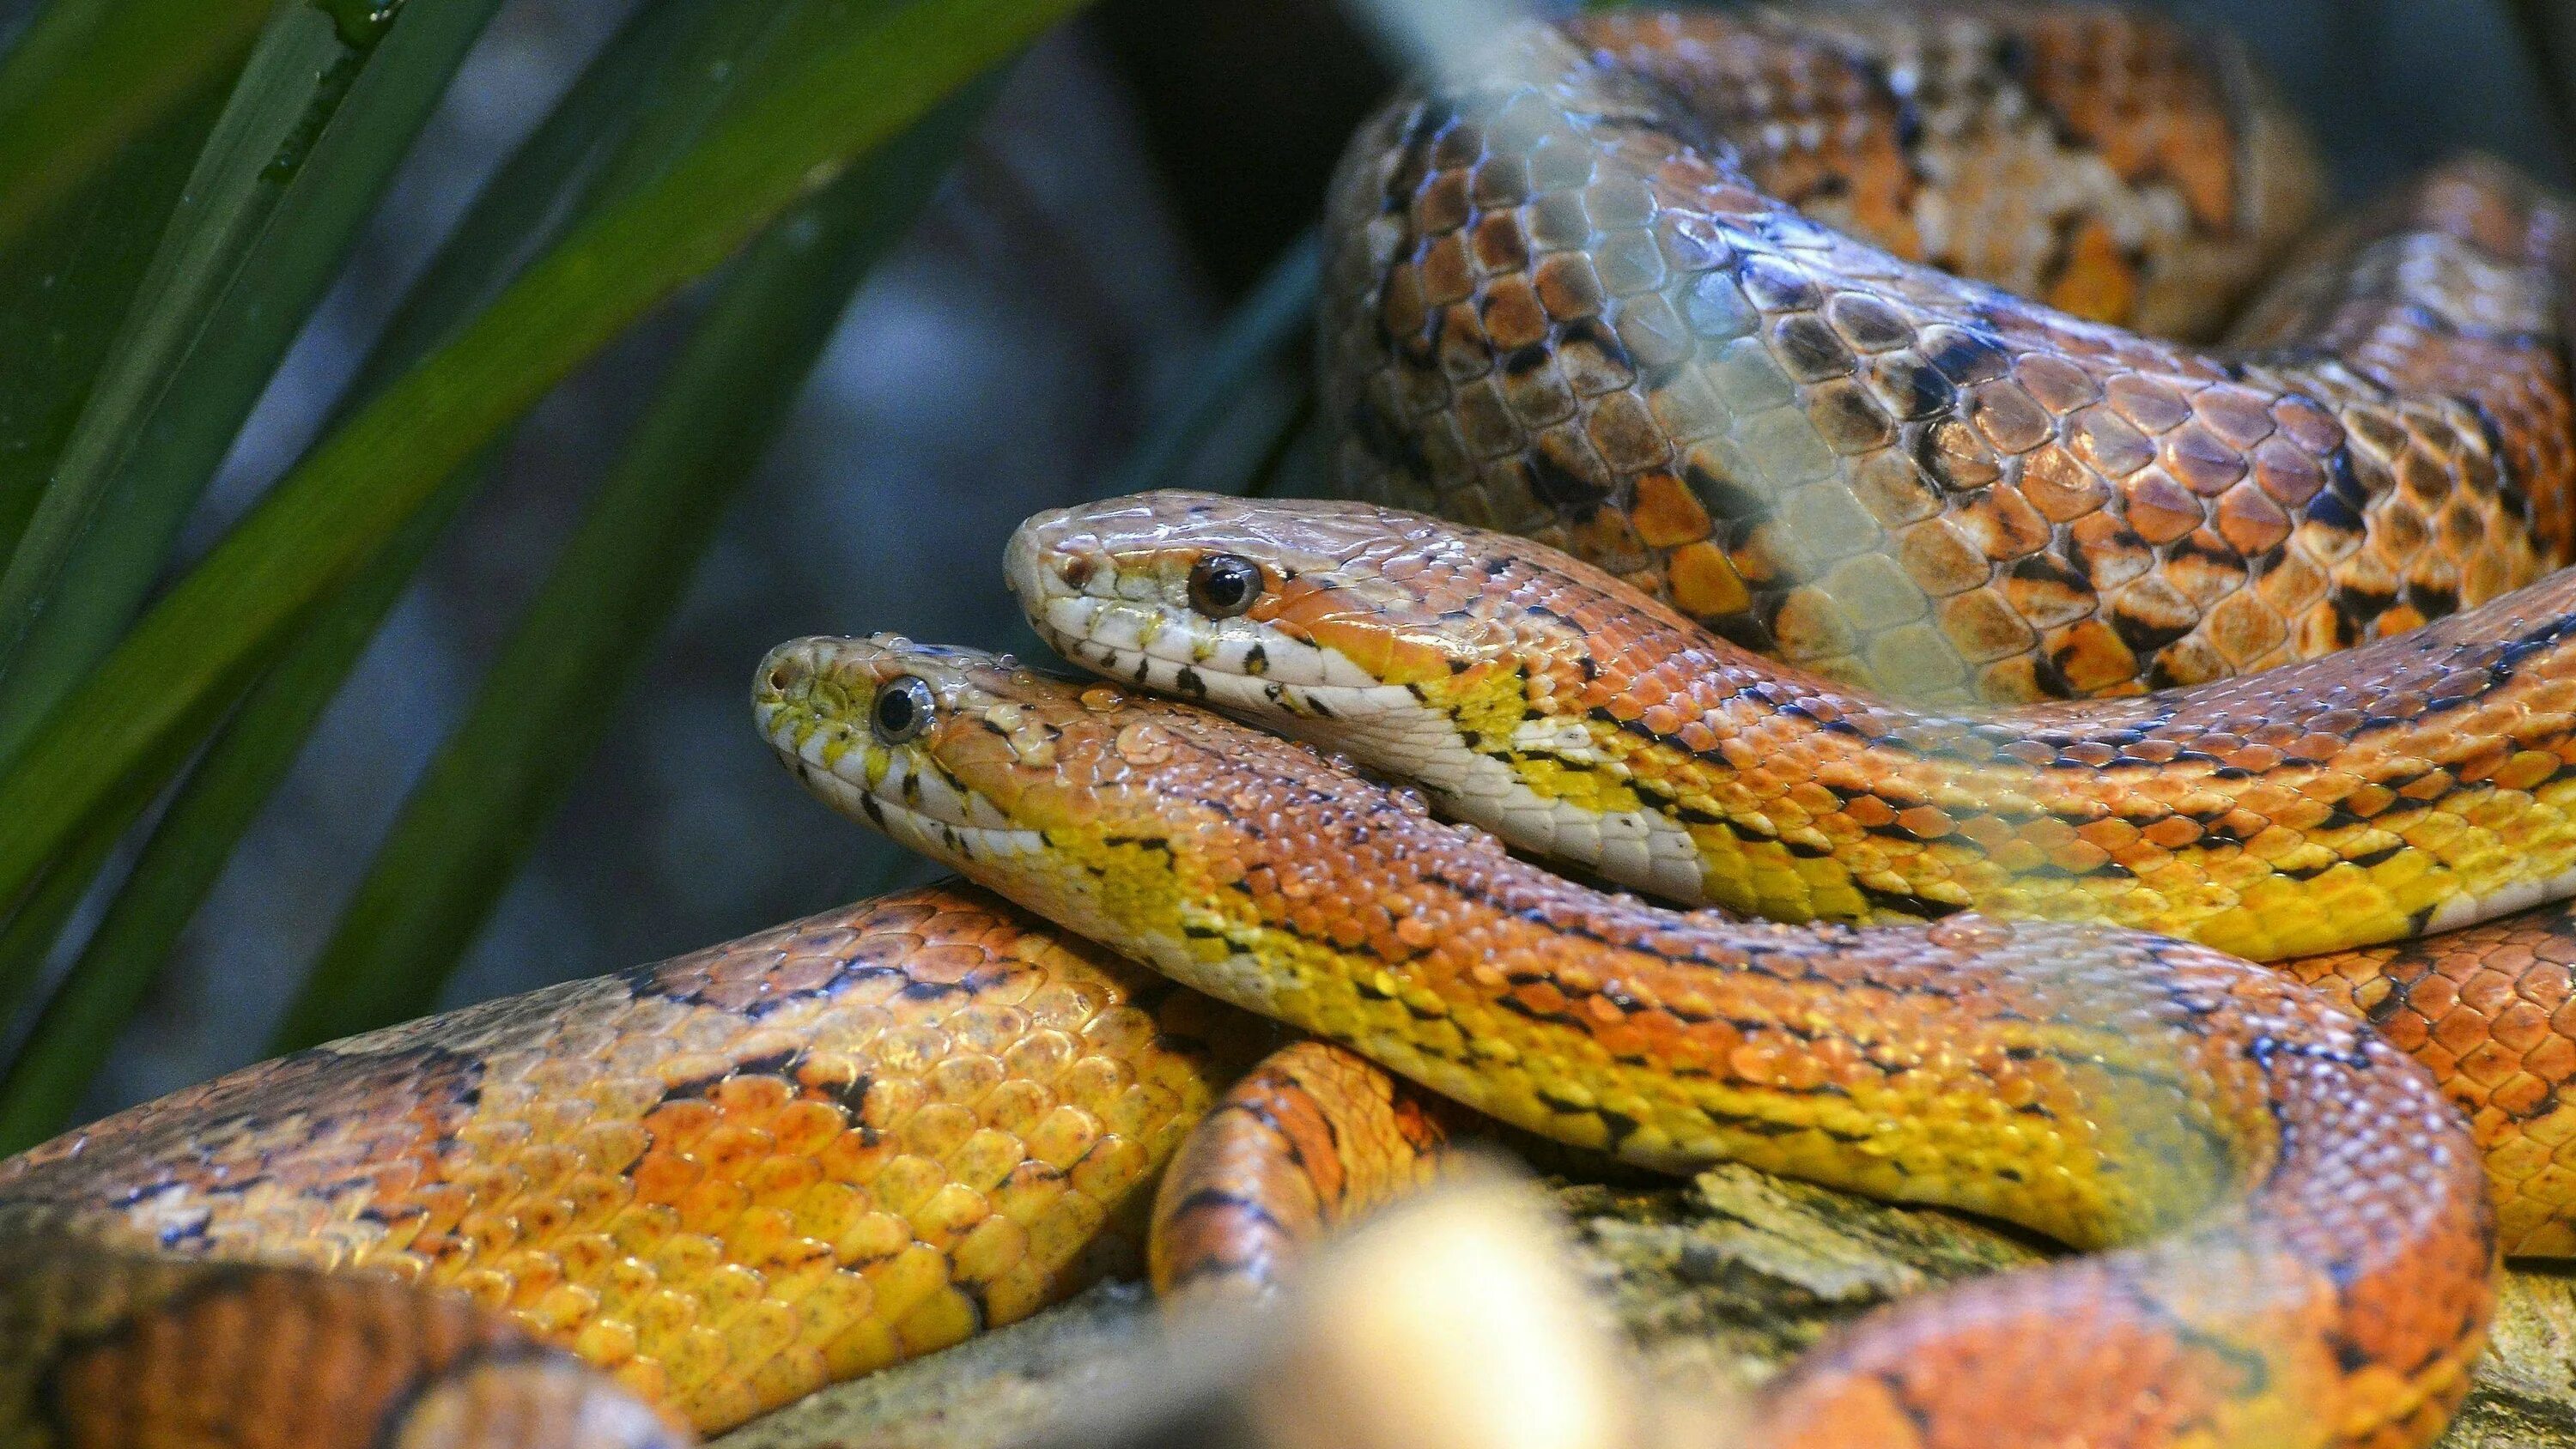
782 670
1050 556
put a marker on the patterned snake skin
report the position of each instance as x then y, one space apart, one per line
1592 296
2421 782
726 1180
2311 809
2300 1241
1575 296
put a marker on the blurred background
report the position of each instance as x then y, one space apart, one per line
1025 344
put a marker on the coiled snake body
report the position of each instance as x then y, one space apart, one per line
2308 1239
1590 292
1566 302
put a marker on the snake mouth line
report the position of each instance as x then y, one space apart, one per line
1395 731
808 701
1078 596
1154 652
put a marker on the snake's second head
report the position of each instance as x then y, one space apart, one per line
1277 611
1076 799
955 752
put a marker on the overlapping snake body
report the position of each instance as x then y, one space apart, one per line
1575 295
719 1183
1581 721
2415 784
2309 1240
1571 297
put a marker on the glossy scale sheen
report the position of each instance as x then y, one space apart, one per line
1667 291
2298 1246
2306 812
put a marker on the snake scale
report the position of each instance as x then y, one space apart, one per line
1732 307
2304 1239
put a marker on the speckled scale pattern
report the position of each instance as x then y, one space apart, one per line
2298 1203
725 1180
1568 299
2424 780
2491 1011
1417 645
2416 783
1313 1139
112 1350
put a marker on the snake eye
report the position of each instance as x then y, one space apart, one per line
1223 585
902 710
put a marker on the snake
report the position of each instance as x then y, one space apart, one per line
1753 310
2294 1238
642 1204
1720 303
1583 721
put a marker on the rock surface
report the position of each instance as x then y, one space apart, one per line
1718 1280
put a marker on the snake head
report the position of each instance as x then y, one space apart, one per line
952 751
1270 610
1076 799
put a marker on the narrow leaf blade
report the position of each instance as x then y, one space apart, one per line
548 701
190 658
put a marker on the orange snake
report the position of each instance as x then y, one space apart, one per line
731 1177
2300 1243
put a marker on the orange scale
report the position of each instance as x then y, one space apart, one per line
855 1156
711 1205
488 1287
676 1125
665 1177
2488 1064
776 1180
965 1077
732 1148
1110 1169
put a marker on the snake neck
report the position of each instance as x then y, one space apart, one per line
2419 784
2097 1086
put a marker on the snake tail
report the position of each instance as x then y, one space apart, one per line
2293 1240
1311 1140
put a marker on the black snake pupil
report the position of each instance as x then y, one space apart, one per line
1224 585
902 707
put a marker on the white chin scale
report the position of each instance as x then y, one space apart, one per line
1317 695
2468 910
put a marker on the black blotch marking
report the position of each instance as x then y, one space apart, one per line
1928 394
2340 503
1810 349
1389 442
1727 500
2355 609
2144 636
1562 489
